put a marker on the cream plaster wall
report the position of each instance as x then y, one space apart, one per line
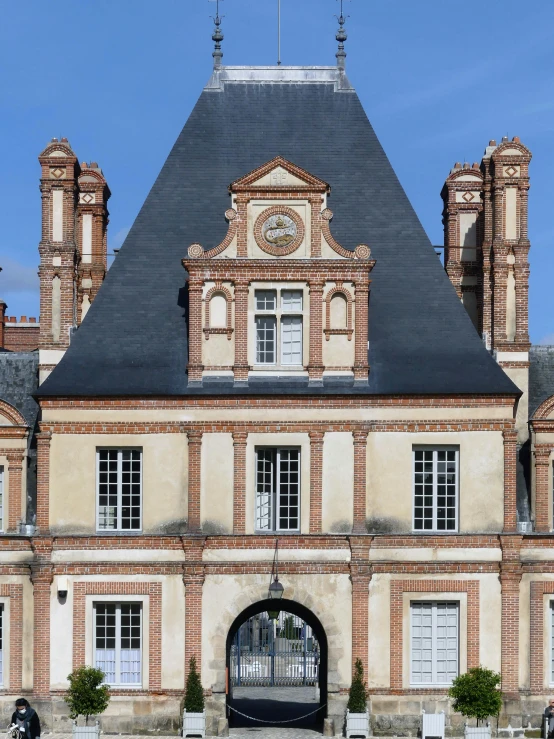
338 482
217 349
521 378
390 479
27 635
326 251
216 499
490 603
257 207
328 597
173 626
278 440
368 413
73 480
511 213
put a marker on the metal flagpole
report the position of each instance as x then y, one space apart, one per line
278 32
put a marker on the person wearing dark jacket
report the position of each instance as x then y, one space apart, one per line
549 719
26 719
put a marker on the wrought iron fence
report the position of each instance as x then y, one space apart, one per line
281 651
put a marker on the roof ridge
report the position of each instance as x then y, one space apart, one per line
279 75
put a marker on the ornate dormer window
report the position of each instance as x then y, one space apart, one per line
278 295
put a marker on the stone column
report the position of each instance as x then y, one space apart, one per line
510 578
315 366
316 481
361 367
543 512
195 367
41 577
240 368
239 482
43 480
15 470
194 475
360 490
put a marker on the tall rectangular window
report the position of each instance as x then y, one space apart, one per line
279 327
436 484
1 645
119 489
277 489
118 642
434 643
1 498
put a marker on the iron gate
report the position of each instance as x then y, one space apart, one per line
281 651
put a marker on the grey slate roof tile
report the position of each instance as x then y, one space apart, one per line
134 338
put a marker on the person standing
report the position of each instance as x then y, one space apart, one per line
26 719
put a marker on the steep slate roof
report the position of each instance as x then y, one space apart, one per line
18 382
134 338
541 376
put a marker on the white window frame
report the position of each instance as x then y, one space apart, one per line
434 606
3 632
118 527
281 313
117 683
2 495
273 515
435 449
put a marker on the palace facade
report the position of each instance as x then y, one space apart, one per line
278 355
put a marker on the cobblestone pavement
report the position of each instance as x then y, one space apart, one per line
275 733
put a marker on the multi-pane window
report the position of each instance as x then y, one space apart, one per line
1 498
434 643
119 482
279 327
1 645
118 642
436 483
277 489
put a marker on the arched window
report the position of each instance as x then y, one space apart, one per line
338 313
218 310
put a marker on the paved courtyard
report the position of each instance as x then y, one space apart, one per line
263 708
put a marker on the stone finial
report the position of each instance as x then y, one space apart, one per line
217 36
341 38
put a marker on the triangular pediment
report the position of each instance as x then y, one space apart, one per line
279 174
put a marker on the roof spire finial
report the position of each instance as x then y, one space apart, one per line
341 38
217 36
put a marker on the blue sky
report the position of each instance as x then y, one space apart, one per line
437 78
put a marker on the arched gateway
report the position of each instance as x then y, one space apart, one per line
277 665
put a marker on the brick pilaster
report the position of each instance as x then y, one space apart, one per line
510 578
195 366
361 367
194 478
316 201
360 491
543 512
240 368
510 502
41 577
316 481
193 578
360 576
315 367
15 470
43 480
239 482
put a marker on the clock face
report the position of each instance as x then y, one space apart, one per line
279 230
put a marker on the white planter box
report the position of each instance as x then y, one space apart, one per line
194 724
357 724
86 732
477 732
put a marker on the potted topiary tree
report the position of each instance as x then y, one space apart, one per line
194 716
357 714
476 695
86 696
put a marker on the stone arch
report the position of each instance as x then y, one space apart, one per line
545 408
11 414
218 289
300 597
340 290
